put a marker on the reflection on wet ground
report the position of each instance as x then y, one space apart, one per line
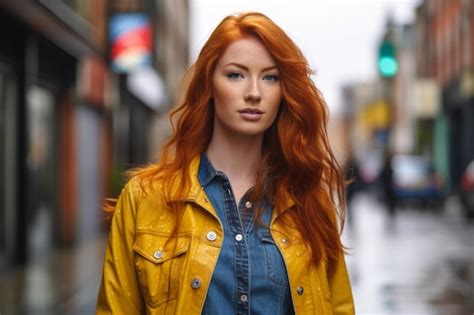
64 282
419 262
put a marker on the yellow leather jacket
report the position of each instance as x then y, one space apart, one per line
149 270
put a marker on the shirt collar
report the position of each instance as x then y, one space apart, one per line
206 172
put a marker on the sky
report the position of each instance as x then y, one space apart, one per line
338 37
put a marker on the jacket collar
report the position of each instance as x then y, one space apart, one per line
195 192
197 195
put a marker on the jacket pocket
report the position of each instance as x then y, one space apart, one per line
159 262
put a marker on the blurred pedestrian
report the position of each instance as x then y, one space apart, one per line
239 215
387 180
353 184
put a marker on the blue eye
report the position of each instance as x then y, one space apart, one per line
271 77
234 75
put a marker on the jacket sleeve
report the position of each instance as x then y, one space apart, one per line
341 292
119 291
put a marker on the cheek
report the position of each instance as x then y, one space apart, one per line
221 92
274 113
275 101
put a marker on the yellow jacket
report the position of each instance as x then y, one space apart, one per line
148 270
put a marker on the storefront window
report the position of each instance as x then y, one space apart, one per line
2 166
8 166
42 170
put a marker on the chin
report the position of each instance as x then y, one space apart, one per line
251 132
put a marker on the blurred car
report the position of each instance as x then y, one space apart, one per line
414 179
467 191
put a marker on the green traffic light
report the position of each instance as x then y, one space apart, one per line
387 59
388 66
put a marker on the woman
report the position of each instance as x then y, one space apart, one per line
239 216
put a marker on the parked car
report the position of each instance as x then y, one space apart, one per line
467 191
415 179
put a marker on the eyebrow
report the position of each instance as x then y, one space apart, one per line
246 68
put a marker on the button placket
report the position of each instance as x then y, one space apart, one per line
238 225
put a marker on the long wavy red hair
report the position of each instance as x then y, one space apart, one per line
296 152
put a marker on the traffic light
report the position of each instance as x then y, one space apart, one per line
387 61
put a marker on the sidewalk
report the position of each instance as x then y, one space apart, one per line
420 262
63 282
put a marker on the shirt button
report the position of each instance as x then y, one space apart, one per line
248 205
211 236
300 290
243 298
158 254
196 283
284 241
238 237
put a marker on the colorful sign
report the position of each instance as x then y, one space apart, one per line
130 35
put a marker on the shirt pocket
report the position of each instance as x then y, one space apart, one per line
159 262
274 264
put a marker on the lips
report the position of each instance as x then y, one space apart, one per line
251 114
254 111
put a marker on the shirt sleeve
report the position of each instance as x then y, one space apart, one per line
119 291
341 292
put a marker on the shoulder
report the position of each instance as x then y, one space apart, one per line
159 184
136 191
138 202
141 189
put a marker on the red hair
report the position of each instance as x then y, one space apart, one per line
297 157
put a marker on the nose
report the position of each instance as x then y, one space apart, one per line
253 93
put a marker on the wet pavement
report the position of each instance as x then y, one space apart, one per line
64 282
419 262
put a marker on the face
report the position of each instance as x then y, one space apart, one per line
246 89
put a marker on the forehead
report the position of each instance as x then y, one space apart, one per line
247 51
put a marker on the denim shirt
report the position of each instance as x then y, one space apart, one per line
250 276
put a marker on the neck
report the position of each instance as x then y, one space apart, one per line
236 155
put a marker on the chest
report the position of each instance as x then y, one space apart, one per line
175 270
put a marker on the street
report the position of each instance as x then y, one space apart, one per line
419 262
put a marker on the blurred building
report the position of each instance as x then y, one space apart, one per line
429 97
367 119
149 88
376 117
430 94
404 132
445 56
54 146
381 115
70 119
